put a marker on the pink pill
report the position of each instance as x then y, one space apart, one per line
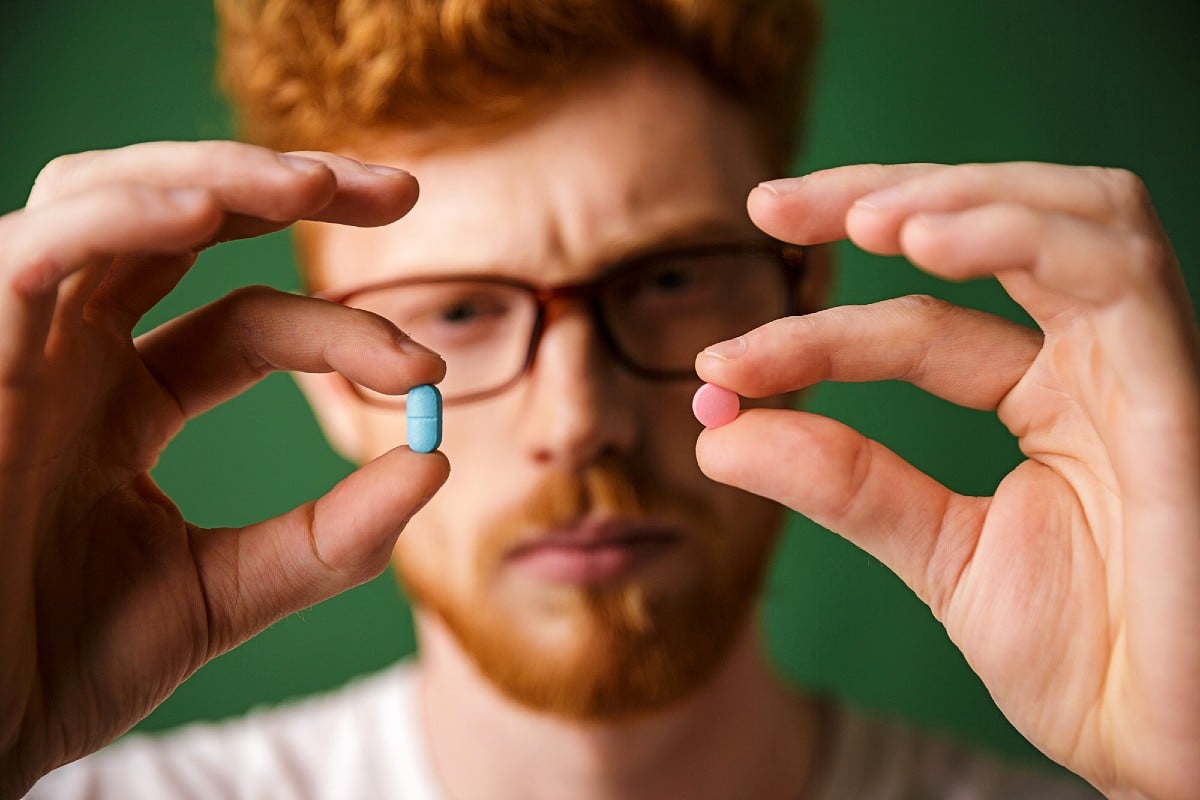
715 406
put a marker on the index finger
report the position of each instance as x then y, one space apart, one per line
965 356
811 209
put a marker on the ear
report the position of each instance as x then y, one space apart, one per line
338 410
816 289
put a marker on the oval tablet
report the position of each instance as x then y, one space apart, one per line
424 406
715 406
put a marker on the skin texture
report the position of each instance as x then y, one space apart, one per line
109 597
1073 591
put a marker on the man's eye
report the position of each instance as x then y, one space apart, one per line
468 310
461 312
670 280
464 322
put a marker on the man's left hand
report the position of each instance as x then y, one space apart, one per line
1074 591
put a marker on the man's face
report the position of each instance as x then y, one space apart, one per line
577 553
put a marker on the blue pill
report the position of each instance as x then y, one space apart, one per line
424 406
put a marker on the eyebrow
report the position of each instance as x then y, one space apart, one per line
695 232
608 268
706 232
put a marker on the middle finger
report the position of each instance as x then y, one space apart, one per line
965 356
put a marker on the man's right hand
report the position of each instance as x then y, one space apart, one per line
108 597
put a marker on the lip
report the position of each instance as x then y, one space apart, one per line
593 552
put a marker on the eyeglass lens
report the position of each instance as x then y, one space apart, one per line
658 316
662 315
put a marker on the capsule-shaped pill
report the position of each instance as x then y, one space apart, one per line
424 405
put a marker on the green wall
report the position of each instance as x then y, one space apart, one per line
1078 81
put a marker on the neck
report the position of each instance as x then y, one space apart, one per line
745 734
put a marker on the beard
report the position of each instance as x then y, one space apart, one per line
608 652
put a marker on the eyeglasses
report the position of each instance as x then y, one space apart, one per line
654 312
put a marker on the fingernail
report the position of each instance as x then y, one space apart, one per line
381 169
884 198
411 347
782 186
305 166
727 350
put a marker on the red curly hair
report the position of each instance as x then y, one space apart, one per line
335 73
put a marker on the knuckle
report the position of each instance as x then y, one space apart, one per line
1125 192
216 162
375 324
131 199
1146 258
961 185
244 307
924 307
156 207
54 170
57 174
245 310
371 564
246 299
796 328
932 317
971 175
1125 183
848 491
877 172
1017 220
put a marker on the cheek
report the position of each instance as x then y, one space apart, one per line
435 554
381 430
441 540
671 436
669 433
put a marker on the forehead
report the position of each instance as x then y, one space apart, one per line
638 157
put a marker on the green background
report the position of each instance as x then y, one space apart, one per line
1084 81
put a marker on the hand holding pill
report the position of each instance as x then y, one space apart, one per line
114 231
1088 544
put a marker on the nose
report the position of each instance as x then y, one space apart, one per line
577 399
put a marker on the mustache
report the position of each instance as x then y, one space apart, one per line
610 487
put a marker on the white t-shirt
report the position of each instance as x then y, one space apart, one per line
364 742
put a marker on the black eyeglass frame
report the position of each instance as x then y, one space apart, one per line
789 258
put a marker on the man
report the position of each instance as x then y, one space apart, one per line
583 590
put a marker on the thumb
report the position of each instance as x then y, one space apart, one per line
254 576
854 486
